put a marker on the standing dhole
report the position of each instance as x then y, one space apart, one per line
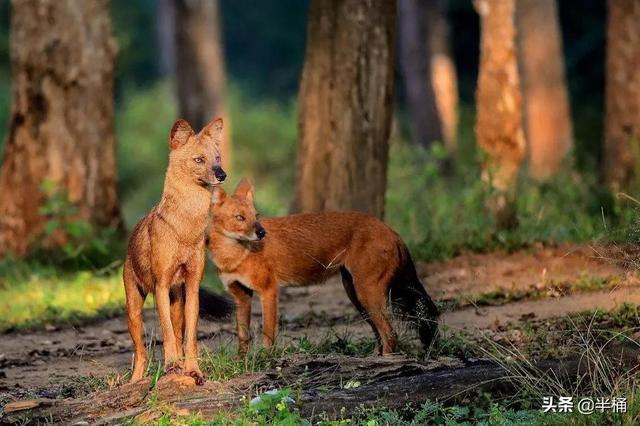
305 249
166 252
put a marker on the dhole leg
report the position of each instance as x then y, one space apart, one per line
242 296
135 303
192 308
163 302
347 283
373 297
177 317
269 300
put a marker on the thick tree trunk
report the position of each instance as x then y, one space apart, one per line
499 112
622 93
546 101
200 75
61 126
415 63
346 97
444 78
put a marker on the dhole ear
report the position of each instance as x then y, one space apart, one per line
219 195
213 130
245 189
181 131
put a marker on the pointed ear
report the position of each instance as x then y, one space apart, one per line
244 189
181 131
219 195
213 130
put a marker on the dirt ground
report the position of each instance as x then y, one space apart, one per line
45 362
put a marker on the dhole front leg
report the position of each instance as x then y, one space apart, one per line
135 303
163 302
269 300
242 296
192 307
177 317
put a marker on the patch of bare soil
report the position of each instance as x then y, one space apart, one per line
472 274
46 364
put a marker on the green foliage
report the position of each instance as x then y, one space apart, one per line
83 244
274 409
448 215
142 125
264 137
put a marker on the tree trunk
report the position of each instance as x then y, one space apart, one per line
61 126
165 37
346 98
499 115
416 66
443 74
622 94
547 116
200 75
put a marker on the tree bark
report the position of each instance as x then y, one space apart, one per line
547 115
499 112
200 75
444 78
622 94
61 126
416 65
346 98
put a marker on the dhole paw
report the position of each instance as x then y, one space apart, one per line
198 377
173 368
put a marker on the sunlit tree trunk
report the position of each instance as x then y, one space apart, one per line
61 124
443 74
622 94
415 64
346 97
547 116
200 75
499 112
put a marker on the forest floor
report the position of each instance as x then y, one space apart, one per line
484 296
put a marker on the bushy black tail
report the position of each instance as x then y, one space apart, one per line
214 306
408 293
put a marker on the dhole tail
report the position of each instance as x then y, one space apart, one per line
408 293
214 306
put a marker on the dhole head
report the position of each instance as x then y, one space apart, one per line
235 215
194 156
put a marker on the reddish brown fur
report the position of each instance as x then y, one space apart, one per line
303 249
166 249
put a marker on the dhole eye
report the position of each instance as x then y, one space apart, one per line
199 160
240 217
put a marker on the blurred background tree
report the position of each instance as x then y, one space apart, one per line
499 107
547 116
622 124
199 65
61 127
346 103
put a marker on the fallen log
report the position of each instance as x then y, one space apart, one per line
330 384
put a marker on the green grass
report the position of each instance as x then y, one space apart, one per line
33 295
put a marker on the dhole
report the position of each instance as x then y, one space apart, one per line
303 249
166 252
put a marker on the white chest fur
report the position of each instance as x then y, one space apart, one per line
228 278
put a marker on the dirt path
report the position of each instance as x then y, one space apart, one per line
46 362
